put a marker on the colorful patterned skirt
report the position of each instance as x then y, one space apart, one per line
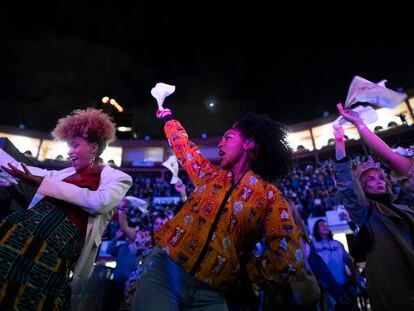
38 248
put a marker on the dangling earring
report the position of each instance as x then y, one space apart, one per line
252 153
93 159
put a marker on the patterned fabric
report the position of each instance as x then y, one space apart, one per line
37 249
141 247
254 208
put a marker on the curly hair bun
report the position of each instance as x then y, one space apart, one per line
92 124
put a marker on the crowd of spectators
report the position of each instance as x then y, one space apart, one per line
310 187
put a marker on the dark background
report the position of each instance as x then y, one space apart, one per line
293 63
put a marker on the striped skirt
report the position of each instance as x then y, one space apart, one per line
38 248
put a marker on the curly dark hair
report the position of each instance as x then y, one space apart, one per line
272 156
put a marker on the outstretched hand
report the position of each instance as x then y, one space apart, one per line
349 115
180 187
24 176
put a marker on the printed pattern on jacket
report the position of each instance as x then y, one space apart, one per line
254 209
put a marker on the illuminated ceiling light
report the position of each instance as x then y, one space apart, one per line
105 99
111 264
114 103
124 129
211 105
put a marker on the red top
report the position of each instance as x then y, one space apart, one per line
89 178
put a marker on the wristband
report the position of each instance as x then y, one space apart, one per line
339 139
164 113
167 118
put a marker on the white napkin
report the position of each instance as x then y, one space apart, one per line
4 159
362 90
160 91
172 165
137 203
367 114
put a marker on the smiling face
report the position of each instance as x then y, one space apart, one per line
373 182
81 153
232 148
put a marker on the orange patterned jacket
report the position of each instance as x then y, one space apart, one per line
219 222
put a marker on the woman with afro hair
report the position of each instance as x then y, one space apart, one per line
62 228
201 251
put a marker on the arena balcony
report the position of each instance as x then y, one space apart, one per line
312 142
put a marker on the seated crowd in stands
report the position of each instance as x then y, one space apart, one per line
311 188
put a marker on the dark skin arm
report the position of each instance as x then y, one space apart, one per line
24 176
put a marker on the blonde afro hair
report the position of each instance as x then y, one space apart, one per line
92 124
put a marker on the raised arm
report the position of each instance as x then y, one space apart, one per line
398 162
129 232
339 142
350 190
188 153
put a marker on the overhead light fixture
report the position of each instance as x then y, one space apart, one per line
113 102
105 99
124 129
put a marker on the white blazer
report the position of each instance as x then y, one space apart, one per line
100 204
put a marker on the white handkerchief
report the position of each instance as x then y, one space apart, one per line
362 90
160 91
172 165
138 203
367 114
4 159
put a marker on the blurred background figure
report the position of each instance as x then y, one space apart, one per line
339 262
142 241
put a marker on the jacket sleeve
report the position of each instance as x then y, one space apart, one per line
283 253
351 192
188 153
112 189
37 171
6 158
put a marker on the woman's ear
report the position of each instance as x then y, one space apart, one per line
251 149
94 148
249 144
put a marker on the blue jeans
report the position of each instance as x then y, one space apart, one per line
164 285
